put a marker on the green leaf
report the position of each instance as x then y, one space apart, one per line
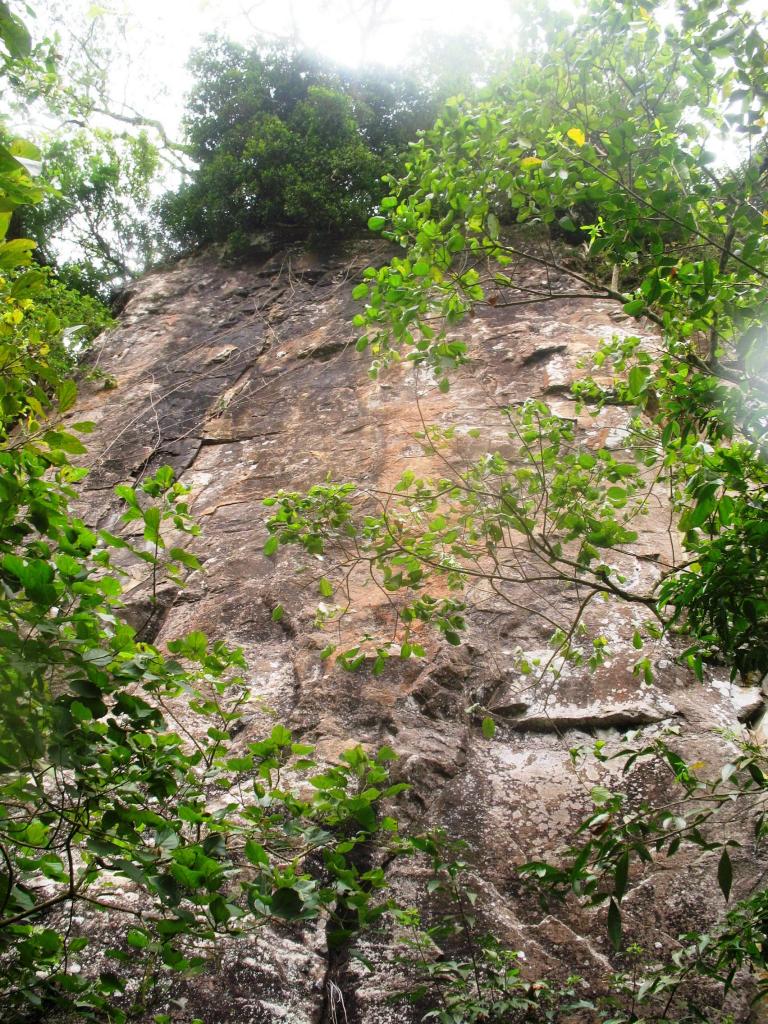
286 903
219 910
702 511
725 873
60 440
635 307
128 494
14 34
16 253
80 712
621 876
323 782
195 644
638 377
66 395
185 557
271 546
600 795
151 517
325 587
137 938
614 924
376 223
22 147
489 728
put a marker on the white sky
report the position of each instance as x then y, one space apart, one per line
161 34
349 31
150 77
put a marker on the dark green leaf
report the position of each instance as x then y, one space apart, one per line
725 873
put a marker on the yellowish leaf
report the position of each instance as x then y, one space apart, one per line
577 135
530 161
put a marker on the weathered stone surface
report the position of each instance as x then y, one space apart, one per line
246 381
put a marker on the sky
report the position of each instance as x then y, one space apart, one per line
153 39
160 34
149 72
349 31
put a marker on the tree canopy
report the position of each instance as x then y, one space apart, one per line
289 147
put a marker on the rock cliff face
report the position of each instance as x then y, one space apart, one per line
247 381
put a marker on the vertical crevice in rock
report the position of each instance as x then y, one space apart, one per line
339 998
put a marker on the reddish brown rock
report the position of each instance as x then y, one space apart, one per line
246 381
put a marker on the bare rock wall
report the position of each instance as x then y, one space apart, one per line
246 381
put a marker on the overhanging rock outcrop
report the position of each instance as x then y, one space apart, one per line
246 381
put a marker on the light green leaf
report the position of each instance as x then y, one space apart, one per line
271 546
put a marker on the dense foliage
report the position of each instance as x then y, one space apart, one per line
101 162
290 147
96 207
